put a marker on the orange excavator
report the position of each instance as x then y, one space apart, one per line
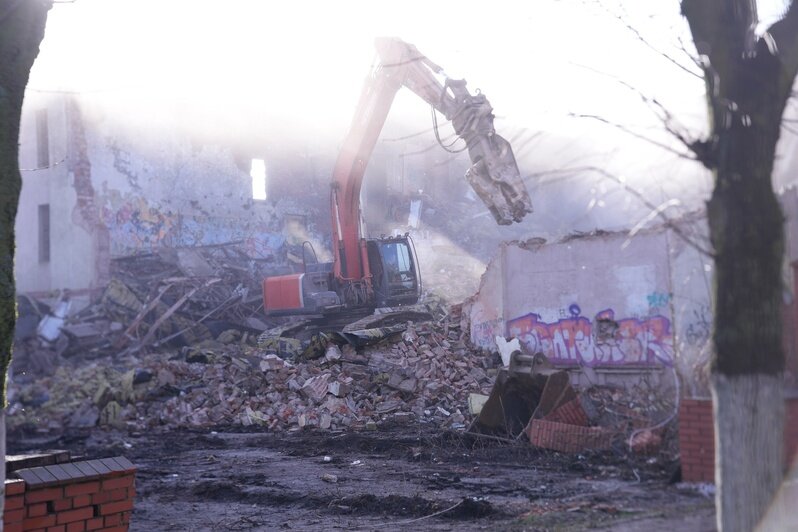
369 273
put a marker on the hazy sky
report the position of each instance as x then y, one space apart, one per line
298 65
308 59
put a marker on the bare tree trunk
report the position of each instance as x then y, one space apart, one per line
21 31
746 228
3 469
748 80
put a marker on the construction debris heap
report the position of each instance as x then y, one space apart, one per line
178 340
423 371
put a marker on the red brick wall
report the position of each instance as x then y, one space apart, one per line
84 502
697 438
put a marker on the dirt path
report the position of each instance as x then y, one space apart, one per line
389 479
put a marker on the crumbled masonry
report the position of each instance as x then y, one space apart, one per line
177 340
416 372
423 373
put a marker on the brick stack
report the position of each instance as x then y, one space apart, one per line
570 413
14 511
568 438
71 496
566 429
427 373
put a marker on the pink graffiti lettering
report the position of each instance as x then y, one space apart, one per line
577 340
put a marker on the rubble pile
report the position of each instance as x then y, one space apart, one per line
183 346
644 414
174 297
425 373
634 406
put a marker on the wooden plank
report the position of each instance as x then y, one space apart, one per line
174 308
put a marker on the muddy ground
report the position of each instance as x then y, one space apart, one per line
398 477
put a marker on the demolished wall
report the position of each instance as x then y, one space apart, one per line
113 190
53 257
603 303
173 191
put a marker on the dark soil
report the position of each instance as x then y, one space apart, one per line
395 478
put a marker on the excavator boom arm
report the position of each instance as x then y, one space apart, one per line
493 175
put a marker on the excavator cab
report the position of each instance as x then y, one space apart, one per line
395 277
395 281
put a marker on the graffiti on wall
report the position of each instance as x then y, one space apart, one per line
699 327
483 333
258 238
135 225
658 300
602 341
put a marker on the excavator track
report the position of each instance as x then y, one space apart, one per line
387 319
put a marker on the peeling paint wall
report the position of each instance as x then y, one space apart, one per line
113 191
52 185
170 192
610 302
487 308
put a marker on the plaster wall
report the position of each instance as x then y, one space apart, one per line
116 189
70 265
601 305
487 308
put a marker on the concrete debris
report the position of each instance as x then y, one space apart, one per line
341 387
333 354
422 371
646 441
316 387
425 374
475 403
172 298
49 328
272 362
506 348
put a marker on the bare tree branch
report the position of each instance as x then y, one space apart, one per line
722 30
690 156
672 126
521 145
651 47
687 52
657 210
671 224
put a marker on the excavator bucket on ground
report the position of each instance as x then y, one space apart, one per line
530 388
